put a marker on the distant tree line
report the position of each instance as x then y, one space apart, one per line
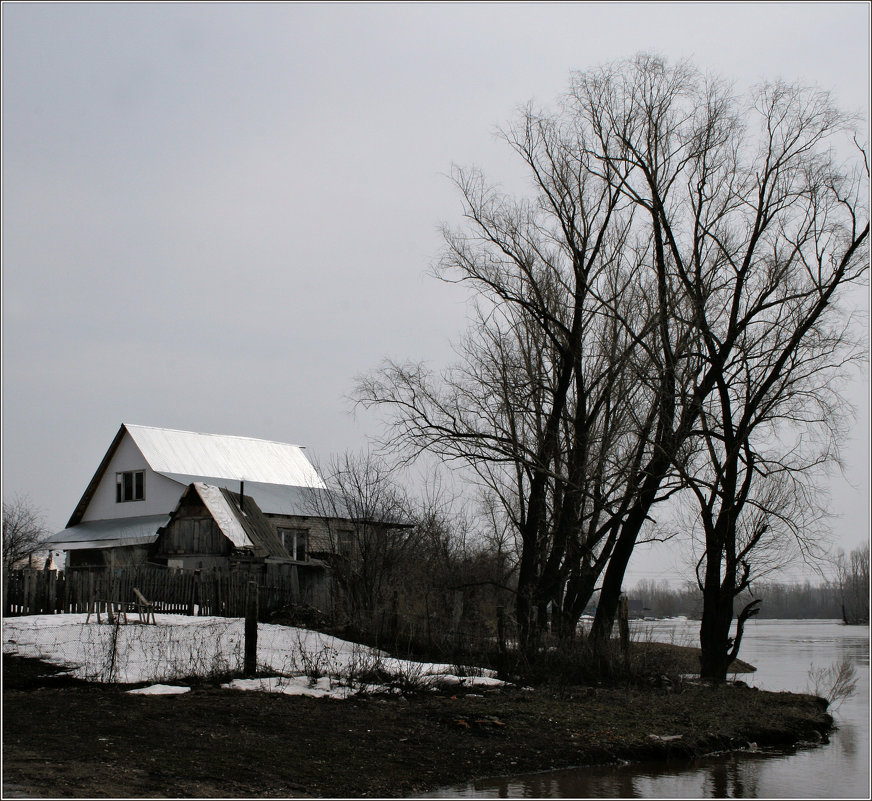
844 596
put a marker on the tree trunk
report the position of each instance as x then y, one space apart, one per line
613 580
714 635
524 606
579 590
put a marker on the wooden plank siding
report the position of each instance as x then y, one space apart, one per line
193 535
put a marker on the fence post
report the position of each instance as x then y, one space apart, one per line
92 592
190 594
51 579
30 594
251 629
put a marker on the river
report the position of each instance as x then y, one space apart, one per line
784 652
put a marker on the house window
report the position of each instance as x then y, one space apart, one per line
345 542
130 486
295 542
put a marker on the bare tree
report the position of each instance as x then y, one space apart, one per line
755 233
660 313
544 404
777 246
370 535
852 579
24 532
635 118
410 570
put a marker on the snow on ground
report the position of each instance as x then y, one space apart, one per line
178 647
160 689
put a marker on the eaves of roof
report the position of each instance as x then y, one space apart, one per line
116 533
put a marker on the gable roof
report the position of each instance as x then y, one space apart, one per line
222 456
188 456
239 518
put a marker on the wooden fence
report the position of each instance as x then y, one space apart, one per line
213 592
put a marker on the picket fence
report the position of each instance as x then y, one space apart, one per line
212 592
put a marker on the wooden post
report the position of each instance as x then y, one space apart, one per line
92 590
51 577
188 592
296 595
251 629
29 592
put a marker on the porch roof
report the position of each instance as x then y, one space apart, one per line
116 533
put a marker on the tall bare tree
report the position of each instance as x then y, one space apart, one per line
755 233
543 404
657 314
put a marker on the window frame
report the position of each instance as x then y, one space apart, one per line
135 488
296 538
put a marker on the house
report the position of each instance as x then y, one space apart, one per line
151 479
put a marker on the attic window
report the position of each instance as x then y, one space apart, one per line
295 542
130 486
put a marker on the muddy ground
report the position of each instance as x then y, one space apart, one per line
65 739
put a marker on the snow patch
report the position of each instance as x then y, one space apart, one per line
303 662
160 689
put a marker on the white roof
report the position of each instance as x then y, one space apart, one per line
224 456
217 505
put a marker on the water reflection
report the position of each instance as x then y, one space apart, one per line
783 652
726 776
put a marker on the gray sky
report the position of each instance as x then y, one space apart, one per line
216 215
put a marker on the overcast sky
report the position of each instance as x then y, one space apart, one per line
215 216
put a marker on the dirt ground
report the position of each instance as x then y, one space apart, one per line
69 739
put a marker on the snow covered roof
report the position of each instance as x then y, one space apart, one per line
223 514
223 456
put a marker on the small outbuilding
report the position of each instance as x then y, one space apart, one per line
213 527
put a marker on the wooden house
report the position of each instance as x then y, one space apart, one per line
136 492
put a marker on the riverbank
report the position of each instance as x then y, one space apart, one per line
64 738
